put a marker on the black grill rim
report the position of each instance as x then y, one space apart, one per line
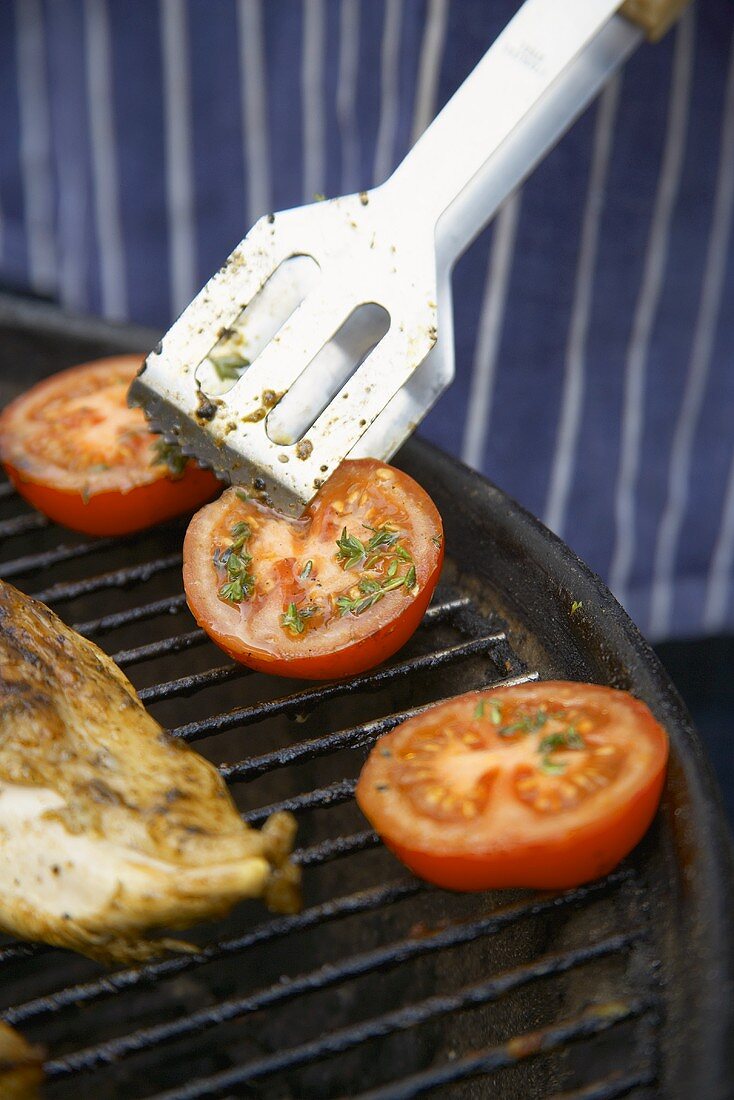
603 645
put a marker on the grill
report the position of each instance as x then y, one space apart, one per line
381 986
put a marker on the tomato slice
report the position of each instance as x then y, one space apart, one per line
328 595
544 785
74 450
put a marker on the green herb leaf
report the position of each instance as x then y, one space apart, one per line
437 539
368 585
576 606
240 534
566 739
495 713
529 724
306 571
550 767
236 561
351 550
479 709
229 367
383 537
170 455
410 578
392 569
295 620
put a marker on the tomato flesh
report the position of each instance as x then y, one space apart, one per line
543 785
74 450
329 595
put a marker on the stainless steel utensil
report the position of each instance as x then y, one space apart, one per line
328 331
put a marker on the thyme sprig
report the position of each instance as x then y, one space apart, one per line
566 739
170 455
529 723
236 560
373 591
382 545
294 619
351 550
229 366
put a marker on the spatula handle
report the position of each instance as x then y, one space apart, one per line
546 66
522 64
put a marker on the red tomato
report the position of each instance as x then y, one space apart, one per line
544 785
74 450
325 596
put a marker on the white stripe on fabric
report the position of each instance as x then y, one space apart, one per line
312 91
73 202
179 175
35 145
429 67
490 331
255 133
647 304
389 92
346 95
113 287
575 365
704 335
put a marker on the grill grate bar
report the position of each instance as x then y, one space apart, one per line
308 697
30 563
116 578
336 848
21 525
22 950
110 985
189 685
354 736
617 1084
106 623
175 644
594 1021
333 795
379 1027
329 975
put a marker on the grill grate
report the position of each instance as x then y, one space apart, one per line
233 1009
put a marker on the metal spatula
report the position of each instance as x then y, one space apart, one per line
328 331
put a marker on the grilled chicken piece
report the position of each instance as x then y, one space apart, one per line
108 826
21 1064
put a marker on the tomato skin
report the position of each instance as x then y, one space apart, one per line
353 659
554 865
373 638
115 513
573 850
49 462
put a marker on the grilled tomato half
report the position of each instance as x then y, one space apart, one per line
74 450
328 595
544 785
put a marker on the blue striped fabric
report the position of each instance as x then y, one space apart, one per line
594 320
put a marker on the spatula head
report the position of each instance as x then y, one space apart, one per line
304 347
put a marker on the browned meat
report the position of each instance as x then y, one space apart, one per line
20 1066
109 827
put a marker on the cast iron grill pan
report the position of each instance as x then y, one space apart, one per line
382 986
